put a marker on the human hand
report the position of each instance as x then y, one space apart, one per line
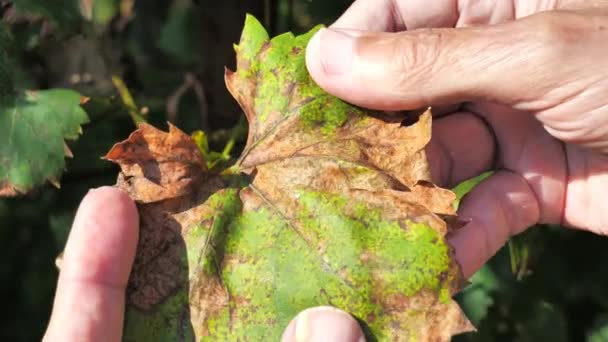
90 299
518 64
515 90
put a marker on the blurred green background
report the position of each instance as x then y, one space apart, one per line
550 284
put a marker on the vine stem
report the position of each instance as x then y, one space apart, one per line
128 101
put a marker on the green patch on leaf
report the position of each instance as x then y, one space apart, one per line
162 323
283 85
413 255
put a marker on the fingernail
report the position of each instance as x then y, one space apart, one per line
324 324
334 49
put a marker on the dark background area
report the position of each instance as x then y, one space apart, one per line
171 55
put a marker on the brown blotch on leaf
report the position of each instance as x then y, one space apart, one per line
164 173
6 190
157 165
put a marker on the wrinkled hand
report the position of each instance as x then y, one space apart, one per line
516 90
90 300
525 97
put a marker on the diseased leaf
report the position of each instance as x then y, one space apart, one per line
33 127
159 166
329 204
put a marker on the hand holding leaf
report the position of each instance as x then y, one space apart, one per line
329 204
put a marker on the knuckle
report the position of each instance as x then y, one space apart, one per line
414 55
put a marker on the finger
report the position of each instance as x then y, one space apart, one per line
436 111
372 15
499 207
323 323
397 15
462 146
439 111
585 206
89 302
407 70
527 149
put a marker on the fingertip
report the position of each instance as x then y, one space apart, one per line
314 63
118 207
352 65
102 243
97 260
330 60
118 199
312 53
499 207
323 323
469 249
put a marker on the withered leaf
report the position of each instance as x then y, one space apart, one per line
329 204
158 166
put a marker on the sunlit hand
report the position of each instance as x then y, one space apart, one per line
90 300
521 93
520 86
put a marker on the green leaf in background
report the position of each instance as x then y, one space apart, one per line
64 13
599 332
212 158
6 65
104 10
466 186
33 127
476 299
180 35
546 322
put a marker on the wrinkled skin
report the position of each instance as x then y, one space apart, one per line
529 90
530 103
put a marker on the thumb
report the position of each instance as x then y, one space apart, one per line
512 63
323 323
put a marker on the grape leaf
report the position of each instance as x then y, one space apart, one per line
33 127
329 204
